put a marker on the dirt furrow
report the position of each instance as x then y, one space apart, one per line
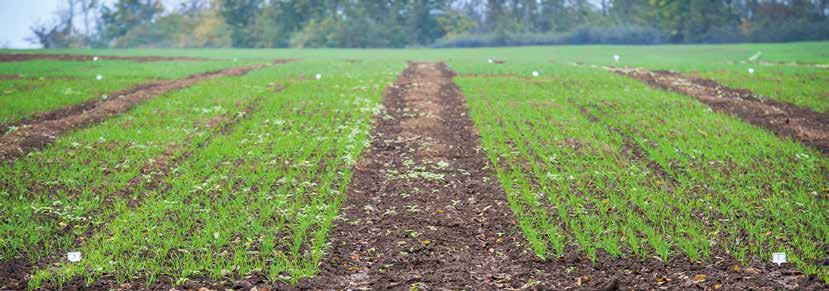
425 211
423 208
38 133
784 119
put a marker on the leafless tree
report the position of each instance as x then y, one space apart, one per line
88 8
57 33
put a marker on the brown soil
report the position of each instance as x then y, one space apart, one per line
9 77
55 57
283 61
400 228
42 130
71 109
14 274
784 119
425 210
423 207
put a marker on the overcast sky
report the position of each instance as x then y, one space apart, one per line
18 16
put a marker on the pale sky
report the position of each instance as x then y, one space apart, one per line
18 16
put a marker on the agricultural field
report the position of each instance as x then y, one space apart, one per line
38 86
504 168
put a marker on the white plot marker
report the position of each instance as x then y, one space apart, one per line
73 256
95 58
751 70
616 58
99 77
490 61
754 57
318 76
535 73
778 258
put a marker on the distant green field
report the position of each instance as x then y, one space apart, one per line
729 64
262 160
44 85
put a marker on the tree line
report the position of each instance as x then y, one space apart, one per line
441 23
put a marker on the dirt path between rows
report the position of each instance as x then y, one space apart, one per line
4 58
786 120
42 130
424 210
423 207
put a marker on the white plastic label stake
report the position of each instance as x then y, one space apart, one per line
95 59
616 58
99 77
73 256
755 57
318 76
535 74
778 258
751 70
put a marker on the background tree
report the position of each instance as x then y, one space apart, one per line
403 23
126 15
240 15
61 32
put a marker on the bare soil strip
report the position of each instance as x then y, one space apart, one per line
425 210
70 109
784 119
9 77
44 129
14 273
64 57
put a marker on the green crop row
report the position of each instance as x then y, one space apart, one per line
775 75
259 199
781 72
53 197
602 162
42 85
802 86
